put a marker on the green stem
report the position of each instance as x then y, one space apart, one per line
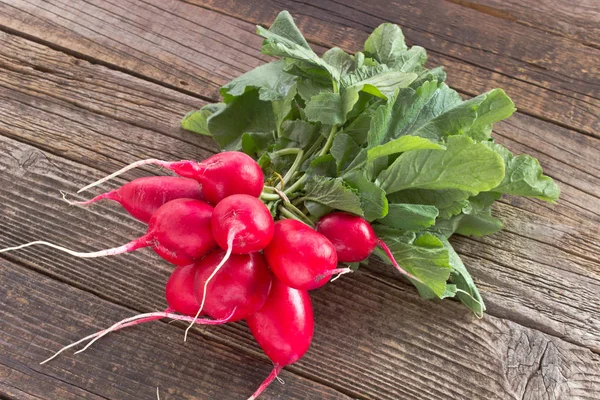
288 214
295 186
295 210
269 196
290 173
329 142
286 152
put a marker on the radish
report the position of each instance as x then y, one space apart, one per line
179 291
354 239
243 284
301 257
143 196
179 232
283 328
240 224
220 175
245 221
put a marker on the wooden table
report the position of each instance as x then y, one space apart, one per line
87 86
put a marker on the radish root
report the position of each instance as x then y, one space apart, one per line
126 248
135 320
151 161
230 239
107 195
338 271
274 374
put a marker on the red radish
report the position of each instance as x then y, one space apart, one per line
179 291
283 328
353 238
221 175
179 232
240 224
301 257
143 196
243 284
245 220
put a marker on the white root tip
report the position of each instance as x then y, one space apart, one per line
125 169
135 320
109 252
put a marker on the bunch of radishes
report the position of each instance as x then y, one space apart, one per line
233 260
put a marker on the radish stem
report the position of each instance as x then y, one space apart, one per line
387 251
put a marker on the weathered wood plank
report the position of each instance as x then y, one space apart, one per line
560 86
578 20
100 90
39 315
113 116
548 240
173 45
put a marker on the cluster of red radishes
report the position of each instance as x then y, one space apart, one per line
233 260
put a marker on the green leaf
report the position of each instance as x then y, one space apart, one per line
344 149
441 199
480 223
492 106
477 223
412 60
332 192
256 143
401 145
284 39
427 258
325 108
283 108
372 198
308 88
317 210
467 292
434 74
359 126
324 165
464 165
197 121
386 45
245 113
435 111
378 80
270 80
341 61
298 133
524 176
375 81
410 217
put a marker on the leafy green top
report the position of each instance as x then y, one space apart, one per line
379 135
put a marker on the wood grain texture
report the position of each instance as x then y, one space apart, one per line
375 338
402 348
539 240
479 51
578 20
39 315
